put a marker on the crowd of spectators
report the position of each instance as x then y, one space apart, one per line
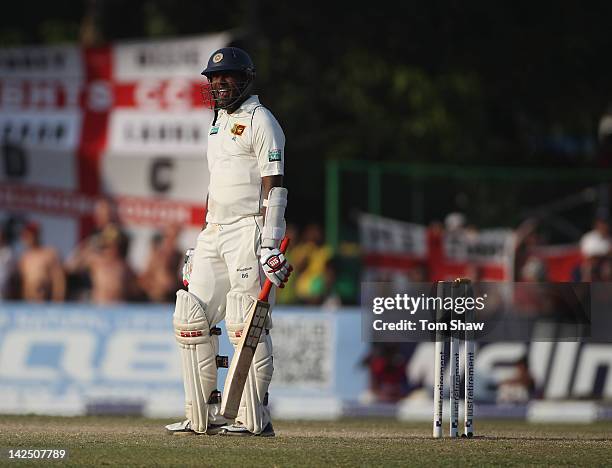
594 261
98 269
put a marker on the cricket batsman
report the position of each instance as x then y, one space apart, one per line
235 252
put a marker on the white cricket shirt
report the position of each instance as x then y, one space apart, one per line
243 147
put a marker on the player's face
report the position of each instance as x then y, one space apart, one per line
225 88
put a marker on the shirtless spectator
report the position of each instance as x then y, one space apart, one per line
162 275
79 281
113 280
40 269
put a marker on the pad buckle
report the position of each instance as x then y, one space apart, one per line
215 397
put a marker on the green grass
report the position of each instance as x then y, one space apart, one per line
356 442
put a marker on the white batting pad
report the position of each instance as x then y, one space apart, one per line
198 354
238 306
252 412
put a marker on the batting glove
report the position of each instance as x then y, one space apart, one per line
275 266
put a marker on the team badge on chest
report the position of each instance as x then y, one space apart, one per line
237 129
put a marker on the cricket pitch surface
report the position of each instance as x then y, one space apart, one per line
135 441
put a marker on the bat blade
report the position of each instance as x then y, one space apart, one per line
243 357
245 350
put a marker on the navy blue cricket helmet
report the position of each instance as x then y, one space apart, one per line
231 59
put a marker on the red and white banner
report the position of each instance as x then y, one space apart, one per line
392 246
126 121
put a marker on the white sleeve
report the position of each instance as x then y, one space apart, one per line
268 143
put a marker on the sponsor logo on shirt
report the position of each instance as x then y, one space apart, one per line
275 155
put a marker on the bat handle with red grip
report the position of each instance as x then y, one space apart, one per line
267 287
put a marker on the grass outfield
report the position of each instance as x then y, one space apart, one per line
354 442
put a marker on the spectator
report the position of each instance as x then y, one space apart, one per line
79 281
311 257
534 270
520 387
454 221
595 247
161 277
533 299
454 235
287 295
113 280
603 270
596 242
40 269
387 366
8 267
527 239
323 286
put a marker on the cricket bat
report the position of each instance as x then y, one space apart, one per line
243 355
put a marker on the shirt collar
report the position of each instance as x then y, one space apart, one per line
247 106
